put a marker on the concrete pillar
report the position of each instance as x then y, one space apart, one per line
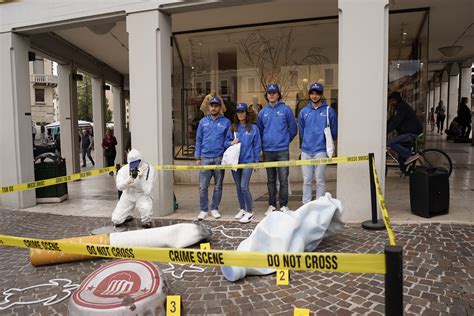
368 44
453 98
150 62
432 94
119 122
437 94
16 155
67 92
465 84
444 98
98 117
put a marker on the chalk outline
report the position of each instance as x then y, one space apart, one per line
223 228
68 288
172 269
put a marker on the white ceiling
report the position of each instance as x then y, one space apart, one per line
449 19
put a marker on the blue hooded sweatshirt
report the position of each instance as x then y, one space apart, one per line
311 123
251 145
277 126
210 136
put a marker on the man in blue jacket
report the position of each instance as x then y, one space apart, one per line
210 137
278 128
312 121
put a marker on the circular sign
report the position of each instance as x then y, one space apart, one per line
118 287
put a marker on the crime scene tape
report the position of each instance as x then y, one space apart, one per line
73 177
322 261
383 209
52 181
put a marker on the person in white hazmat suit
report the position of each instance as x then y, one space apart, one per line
135 180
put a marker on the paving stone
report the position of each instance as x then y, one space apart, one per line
438 272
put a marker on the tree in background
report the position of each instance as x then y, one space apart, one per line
84 101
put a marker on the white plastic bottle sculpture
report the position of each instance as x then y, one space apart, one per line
301 230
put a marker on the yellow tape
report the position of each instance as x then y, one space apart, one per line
76 176
383 209
271 164
52 181
316 261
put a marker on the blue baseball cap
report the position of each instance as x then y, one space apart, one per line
215 101
273 87
316 87
134 164
241 107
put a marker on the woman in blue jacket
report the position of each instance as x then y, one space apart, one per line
247 134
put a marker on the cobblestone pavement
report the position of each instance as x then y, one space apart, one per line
438 272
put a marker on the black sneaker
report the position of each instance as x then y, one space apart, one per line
125 222
147 225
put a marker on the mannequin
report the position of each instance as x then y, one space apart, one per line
302 97
205 103
255 107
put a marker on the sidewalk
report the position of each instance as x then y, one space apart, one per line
97 196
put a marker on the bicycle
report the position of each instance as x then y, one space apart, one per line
431 158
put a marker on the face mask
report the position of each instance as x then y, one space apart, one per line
134 168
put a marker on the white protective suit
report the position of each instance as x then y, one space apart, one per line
135 192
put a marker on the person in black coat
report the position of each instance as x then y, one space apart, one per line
408 127
464 117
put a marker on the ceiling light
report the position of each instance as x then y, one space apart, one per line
450 51
101 29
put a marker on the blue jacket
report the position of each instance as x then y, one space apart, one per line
311 123
251 144
210 136
277 126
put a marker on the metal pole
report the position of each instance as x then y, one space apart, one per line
374 223
393 280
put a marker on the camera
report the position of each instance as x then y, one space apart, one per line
134 173
134 168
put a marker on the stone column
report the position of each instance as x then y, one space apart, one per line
367 63
67 92
16 139
119 122
98 116
150 62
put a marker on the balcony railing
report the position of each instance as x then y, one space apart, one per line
44 79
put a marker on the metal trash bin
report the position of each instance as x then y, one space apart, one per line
429 192
49 165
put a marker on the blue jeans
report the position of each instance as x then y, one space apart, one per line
399 144
204 181
316 171
272 173
242 180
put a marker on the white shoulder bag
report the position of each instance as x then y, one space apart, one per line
328 135
231 154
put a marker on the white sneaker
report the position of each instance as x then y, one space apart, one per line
202 215
285 209
240 214
270 209
247 218
216 213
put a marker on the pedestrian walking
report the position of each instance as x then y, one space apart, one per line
86 146
108 144
440 116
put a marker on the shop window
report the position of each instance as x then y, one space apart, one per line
250 84
39 95
199 87
224 87
329 75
